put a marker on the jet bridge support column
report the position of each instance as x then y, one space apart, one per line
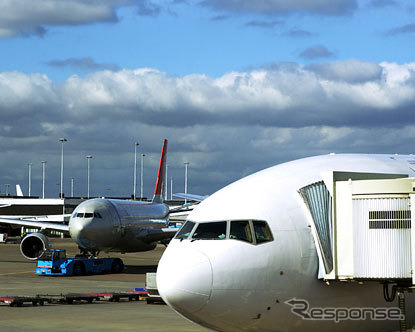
412 202
401 303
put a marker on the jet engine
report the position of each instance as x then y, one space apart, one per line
33 244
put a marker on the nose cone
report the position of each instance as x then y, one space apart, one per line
79 229
184 279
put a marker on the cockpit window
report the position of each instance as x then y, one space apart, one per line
87 215
240 230
185 230
211 231
262 231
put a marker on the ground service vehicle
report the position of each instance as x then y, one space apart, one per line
54 262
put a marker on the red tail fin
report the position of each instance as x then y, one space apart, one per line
161 174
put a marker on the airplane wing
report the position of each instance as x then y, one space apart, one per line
35 224
157 234
192 197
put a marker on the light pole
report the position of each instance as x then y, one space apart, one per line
166 185
142 175
30 178
135 169
171 188
186 164
62 140
43 178
89 166
71 187
7 189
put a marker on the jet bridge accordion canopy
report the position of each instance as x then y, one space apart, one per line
319 202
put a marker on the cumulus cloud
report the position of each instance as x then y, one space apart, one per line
284 95
316 52
21 17
320 7
226 127
86 63
351 71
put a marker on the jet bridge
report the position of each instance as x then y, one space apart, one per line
363 225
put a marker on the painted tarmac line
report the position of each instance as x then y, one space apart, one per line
14 272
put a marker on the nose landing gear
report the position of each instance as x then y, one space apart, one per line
87 253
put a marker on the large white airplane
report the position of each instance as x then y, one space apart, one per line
106 224
252 256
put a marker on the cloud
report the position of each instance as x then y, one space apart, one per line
280 7
351 71
86 63
284 95
316 52
21 17
383 3
299 33
226 127
220 18
148 8
264 24
404 29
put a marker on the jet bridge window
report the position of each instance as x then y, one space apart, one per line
240 230
211 231
185 230
262 231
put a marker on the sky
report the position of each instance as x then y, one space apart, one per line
236 86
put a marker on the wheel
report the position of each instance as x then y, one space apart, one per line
117 266
78 269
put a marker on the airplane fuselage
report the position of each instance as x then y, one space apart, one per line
116 225
231 285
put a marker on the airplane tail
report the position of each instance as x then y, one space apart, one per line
19 191
161 175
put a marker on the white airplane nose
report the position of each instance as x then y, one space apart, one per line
80 231
184 279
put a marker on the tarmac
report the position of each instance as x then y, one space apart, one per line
17 278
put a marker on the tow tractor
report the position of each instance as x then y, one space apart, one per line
54 262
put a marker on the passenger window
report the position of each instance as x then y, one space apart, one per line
262 231
185 230
240 230
210 231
